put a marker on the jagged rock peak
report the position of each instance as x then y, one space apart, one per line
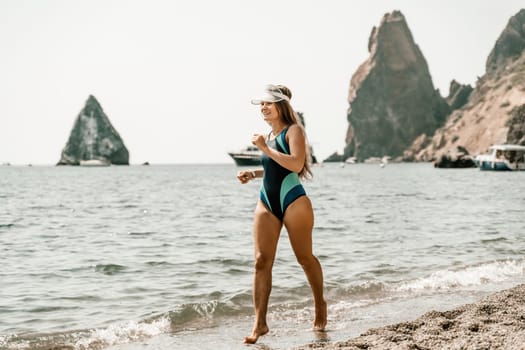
393 26
391 96
93 137
92 102
458 94
510 44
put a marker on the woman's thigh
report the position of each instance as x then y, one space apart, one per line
299 222
266 231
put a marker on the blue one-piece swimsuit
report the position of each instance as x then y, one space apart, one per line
280 186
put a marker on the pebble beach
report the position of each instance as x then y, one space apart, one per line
494 322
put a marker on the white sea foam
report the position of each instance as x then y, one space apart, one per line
123 333
490 272
3 341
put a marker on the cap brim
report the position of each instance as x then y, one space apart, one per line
266 98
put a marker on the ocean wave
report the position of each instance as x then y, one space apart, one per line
225 262
366 290
144 233
489 272
187 314
92 339
109 269
494 240
159 263
44 309
123 333
183 317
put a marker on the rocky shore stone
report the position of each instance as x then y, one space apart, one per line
93 138
459 158
496 322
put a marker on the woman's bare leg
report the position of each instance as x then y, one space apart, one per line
299 222
266 231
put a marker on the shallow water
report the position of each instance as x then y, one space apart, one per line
160 257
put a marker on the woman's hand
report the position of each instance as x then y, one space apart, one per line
259 141
245 176
294 161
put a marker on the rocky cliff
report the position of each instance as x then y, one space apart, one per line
495 110
392 98
94 138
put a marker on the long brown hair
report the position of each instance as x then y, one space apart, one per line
290 117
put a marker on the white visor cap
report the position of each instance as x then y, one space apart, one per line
271 94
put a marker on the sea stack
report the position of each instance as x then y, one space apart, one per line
93 138
391 98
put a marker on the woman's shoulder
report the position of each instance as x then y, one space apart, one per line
294 128
294 132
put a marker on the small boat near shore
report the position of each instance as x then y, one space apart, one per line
247 156
502 158
95 162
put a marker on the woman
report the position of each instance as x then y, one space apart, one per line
283 201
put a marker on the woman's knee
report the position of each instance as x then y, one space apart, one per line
263 261
306 261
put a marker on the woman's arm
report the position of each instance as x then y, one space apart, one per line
297 142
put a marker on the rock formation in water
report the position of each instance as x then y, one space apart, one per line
494 111
94 138
458 158
392 98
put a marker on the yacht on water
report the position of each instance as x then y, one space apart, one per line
247 156
251 156
502 157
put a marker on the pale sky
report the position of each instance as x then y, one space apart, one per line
176 77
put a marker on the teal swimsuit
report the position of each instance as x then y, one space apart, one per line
280 186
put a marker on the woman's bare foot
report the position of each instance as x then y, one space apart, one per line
256 333
321 315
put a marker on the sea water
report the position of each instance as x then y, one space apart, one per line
161 257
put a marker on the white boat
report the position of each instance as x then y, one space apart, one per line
502 157
95 162
249 155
